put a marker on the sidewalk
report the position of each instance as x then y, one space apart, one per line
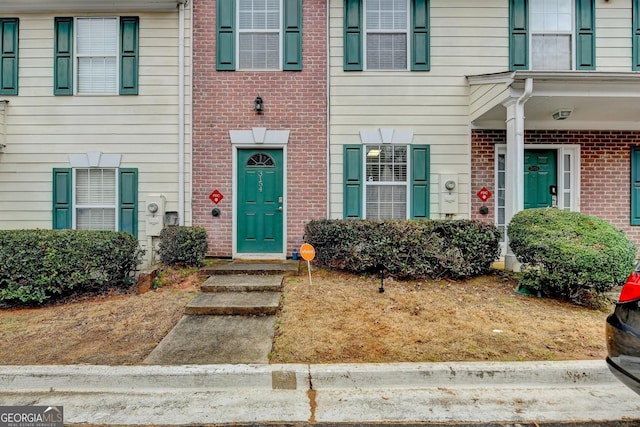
475 392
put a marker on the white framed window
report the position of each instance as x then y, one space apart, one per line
95 199
552 40
259 34
96 55
387 34
386 181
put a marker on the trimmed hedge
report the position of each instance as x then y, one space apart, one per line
570 255
183 246
39 265
406 248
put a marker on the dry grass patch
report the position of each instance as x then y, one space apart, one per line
115 329
343 318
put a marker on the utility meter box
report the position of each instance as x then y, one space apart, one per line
449 194
154 213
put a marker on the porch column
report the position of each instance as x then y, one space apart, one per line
514 179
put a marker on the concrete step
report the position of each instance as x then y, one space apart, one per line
234 303
206 340
243 283
250 267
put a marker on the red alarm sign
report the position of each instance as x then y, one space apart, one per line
484 194
216 196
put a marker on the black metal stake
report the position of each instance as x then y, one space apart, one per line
381 273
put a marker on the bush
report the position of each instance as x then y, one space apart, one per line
570 255
183 246
38 265
406 248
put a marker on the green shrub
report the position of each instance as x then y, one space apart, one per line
570 255
38 265
183 246
406 248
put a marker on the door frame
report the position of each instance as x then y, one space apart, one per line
569 152
256 139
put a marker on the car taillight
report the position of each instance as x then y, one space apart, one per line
631 289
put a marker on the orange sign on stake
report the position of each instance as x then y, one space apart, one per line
307 252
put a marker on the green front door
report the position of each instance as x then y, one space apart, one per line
539 178
260 197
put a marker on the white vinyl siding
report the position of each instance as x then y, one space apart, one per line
96 55
387 34
259 34
43 129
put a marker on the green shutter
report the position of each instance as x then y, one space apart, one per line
420 43
635 36
9 56
292 56
585 35
353 35
129 55
420 174
63 57
128 200
225 35
352 181
635 185
518 36
62 201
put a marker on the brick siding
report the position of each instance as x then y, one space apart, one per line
604 171
223 101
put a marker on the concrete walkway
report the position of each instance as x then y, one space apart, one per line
231 321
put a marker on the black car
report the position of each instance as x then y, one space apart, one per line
623 334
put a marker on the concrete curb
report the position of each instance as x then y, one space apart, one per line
358 394
301 376
489 374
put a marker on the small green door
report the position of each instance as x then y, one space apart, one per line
539 178
260 197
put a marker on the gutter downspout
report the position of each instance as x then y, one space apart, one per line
181 112
328 101
515 165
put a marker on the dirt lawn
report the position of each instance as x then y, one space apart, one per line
337 318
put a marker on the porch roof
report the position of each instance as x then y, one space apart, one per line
86 6
597 100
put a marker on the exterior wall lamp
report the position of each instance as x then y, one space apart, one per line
258 105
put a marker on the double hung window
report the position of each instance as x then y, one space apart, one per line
387 29
95 198
259 35
552 34
96 56
386 35
386 181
